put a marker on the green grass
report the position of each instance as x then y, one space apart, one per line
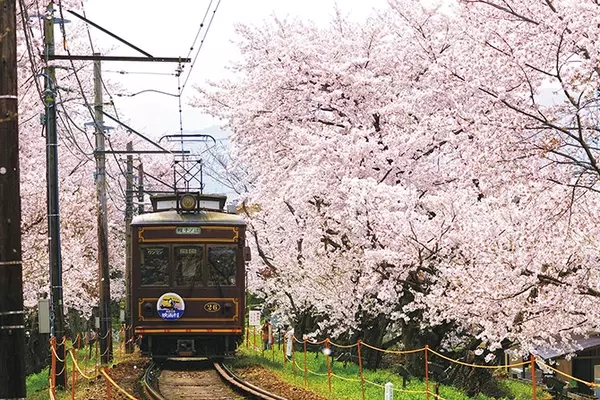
346 382
37 384
345 385
521 390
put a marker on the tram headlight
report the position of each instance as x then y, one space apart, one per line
148 309
187 202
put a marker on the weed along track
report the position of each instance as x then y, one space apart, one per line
199 380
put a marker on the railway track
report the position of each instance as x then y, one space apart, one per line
199 380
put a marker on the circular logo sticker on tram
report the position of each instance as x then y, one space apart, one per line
170 306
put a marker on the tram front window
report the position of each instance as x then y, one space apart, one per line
221 266
154 263
188 263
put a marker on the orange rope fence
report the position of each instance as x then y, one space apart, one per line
589 384
428 353
76 369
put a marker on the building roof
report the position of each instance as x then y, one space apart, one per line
579 344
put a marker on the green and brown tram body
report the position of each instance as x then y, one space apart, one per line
188 277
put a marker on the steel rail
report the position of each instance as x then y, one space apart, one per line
225 373
150 391
236 381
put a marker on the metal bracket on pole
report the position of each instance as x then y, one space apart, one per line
109 33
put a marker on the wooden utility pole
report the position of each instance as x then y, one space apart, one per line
12 326
106 355
128 218
57 318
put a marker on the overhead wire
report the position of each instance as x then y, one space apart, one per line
86 103
123 193
181 88
67 123
24 21
180 69
94 51
35 75
123 72
201 44
79 84
27 32
40 15
63 117
61 102
199 29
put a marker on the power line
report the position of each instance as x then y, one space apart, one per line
37 5
145 91
66 113
179 71
199 29
62 28
64 116
200 47
87 28
25 14
81 87
123 72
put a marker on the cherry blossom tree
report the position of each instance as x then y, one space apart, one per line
409 171
536 67
76 169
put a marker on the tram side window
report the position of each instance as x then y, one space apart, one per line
221 266
188 265
154 263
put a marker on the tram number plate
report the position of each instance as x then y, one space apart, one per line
212 307
188 230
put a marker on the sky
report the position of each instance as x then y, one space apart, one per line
167 29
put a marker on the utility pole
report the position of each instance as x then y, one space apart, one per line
106 355
56 292
56 311
12 326
141 189
128 218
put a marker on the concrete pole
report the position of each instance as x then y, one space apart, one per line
106 355
57 318
128 217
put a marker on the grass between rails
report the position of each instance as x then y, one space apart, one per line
345 381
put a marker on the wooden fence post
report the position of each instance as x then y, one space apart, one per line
327 352
360 366
427 371
533 383
305 367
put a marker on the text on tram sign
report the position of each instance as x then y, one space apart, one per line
188 230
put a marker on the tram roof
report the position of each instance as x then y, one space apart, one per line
203 217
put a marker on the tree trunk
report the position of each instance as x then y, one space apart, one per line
372 333
37 346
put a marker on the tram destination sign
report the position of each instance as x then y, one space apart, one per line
188 230
156 234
